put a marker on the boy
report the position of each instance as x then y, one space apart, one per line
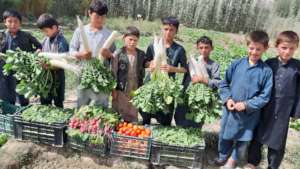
128 66
96 35
11 39
205 47
245 89
284 103
176 59
54 42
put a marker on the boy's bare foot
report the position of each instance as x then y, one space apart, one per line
250 166
230 164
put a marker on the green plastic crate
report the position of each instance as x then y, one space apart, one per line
7 112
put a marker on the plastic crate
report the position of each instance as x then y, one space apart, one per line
84 146
133 147
49 134
187 157
7 112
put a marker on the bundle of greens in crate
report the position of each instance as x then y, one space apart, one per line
42 124
183 147
90 127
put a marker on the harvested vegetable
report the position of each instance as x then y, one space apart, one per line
3 139
158 95
133 130
46 114
177 136
27 69
92 124
203 103
97 77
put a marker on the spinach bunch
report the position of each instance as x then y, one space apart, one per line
46 114
203 103
177 136
97 77
26 68
158 95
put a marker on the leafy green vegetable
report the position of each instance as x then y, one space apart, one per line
97 77
295 124
186 137
203 103
26 68
3 139
46 114
159 94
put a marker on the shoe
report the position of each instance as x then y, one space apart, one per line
217 162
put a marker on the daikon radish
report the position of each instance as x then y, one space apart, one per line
109 41
64 65
197 67
58 56
83 35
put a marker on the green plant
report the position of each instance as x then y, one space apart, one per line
203 103
46 114
3 139
26 68
159 94
186 137
97 77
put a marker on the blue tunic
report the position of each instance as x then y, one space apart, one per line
251 85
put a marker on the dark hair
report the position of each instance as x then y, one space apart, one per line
170 20
205 40
258 36
132 30
46 21
287 36
11 13
98 7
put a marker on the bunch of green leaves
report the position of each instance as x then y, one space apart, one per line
46 114
158 95
3 139
295 124
203 103
106 115
94 139
177 136
97 77
26 68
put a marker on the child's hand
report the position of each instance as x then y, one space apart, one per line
199 79
105 53
240 106
84 55
151 66
230 104
195 79
114 94
167 68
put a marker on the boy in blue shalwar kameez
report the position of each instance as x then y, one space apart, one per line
246 88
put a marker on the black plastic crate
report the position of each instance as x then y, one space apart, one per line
49 134
187 157
7 112
84 146
133 147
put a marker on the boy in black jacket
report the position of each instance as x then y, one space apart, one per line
11 39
